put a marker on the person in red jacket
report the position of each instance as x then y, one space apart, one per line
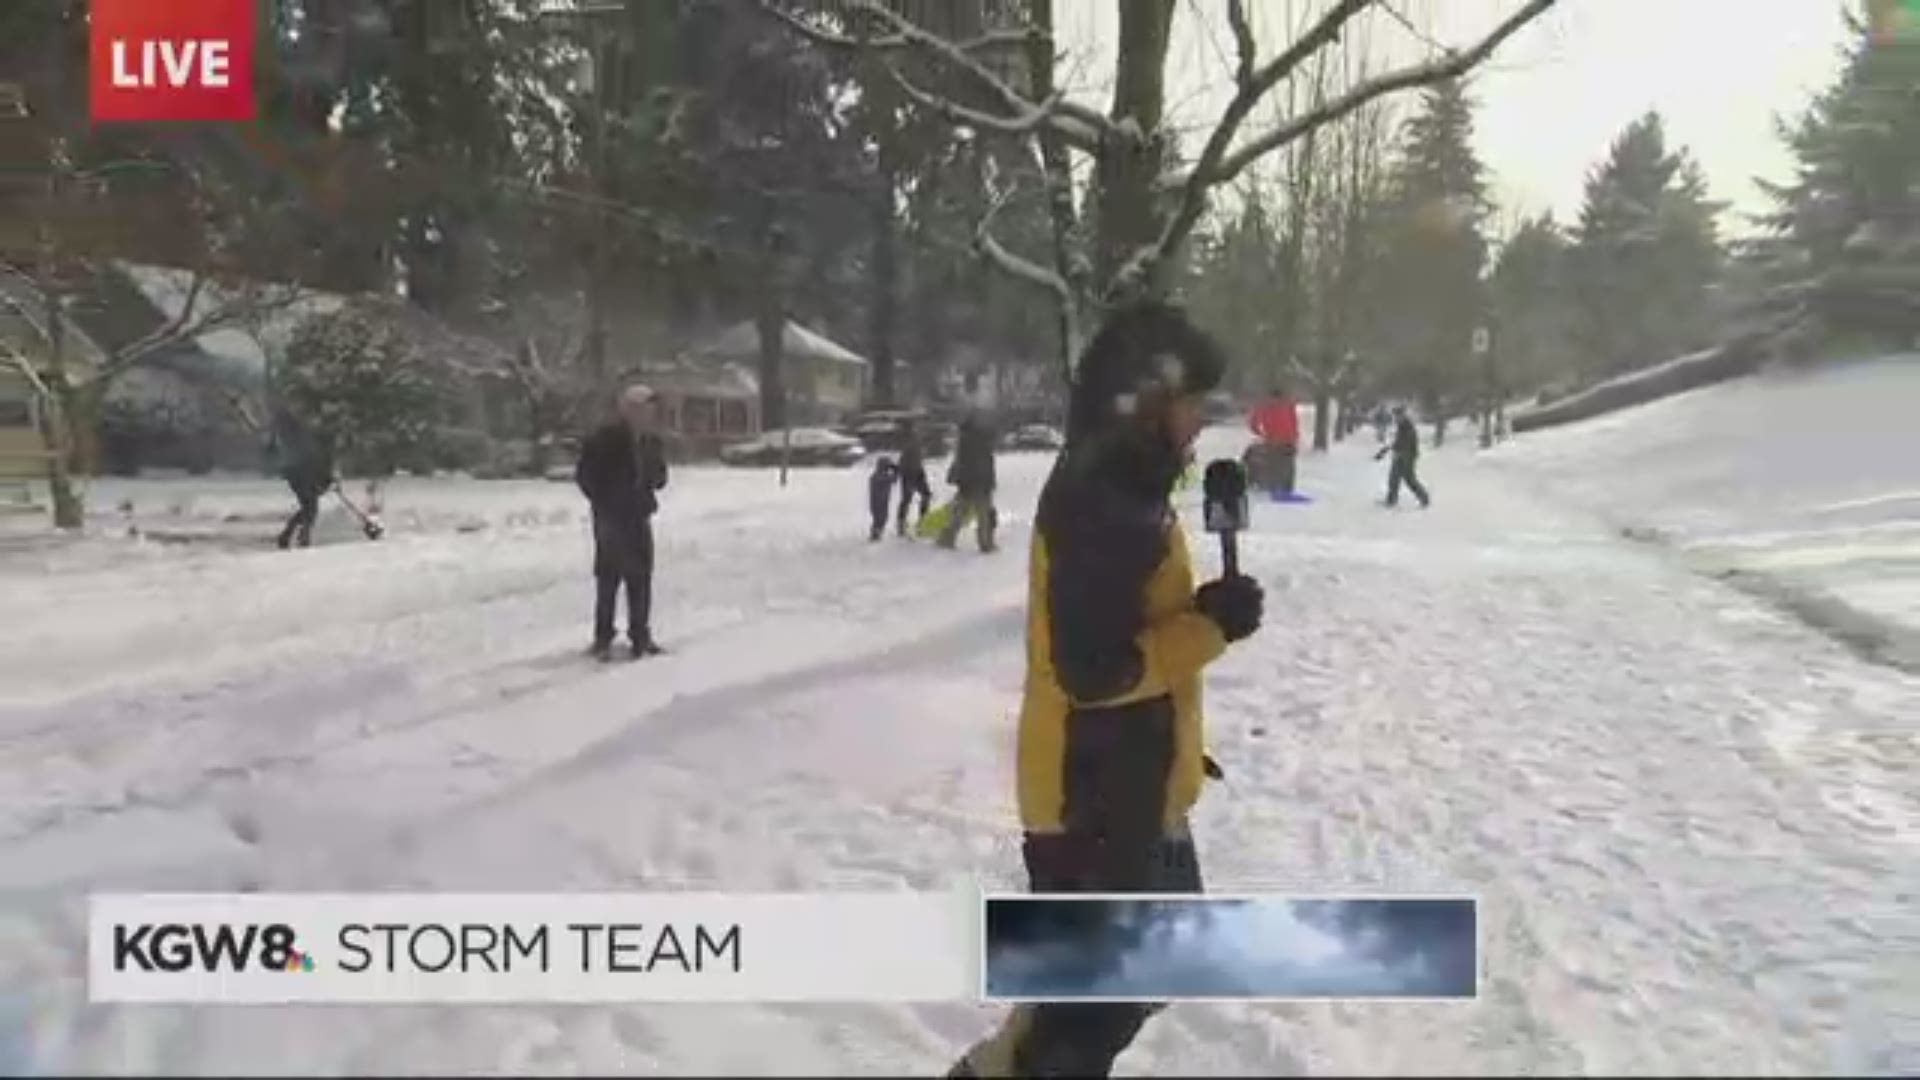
1276 421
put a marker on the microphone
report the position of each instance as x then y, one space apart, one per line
1225 492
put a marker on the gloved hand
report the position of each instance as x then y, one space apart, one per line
1211 767
1235 604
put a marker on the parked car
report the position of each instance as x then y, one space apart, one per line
884 431
810 447
1033 437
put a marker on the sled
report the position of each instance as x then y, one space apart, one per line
1294 497
935 521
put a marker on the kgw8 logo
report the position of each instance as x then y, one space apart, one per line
182 947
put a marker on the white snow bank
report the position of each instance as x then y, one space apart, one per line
1811 477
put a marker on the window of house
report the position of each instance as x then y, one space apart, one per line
733 417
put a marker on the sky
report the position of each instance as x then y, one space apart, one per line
1266 947
1556 94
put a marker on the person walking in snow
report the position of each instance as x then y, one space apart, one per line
1405 449
1111 747
306 464
913 476
973 476
622 468
880 496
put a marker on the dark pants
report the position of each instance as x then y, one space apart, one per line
307 490
877 507
1403 472
913 485
624 555
1072 1038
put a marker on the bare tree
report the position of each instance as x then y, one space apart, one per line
73 376
1345 182
1144 207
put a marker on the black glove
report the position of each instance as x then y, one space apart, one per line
1211 767
1235 605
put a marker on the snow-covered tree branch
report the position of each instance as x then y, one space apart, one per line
1024 124
1025 269
197 318
1080 126
1451 66
988 41
1219 163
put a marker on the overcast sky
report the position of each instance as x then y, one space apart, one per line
1557 93
1270 947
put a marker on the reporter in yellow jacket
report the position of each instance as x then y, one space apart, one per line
1111 753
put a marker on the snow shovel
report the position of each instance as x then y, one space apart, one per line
369 524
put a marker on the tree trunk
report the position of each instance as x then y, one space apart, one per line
884 262
69 510
57 429
1056 170
1128 210
1322 415
879 89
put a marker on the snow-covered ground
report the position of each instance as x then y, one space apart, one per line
1807 482
1694 822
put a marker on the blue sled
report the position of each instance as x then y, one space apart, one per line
1284 497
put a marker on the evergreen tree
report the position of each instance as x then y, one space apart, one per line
1646 255
1434 216
1231 285
1845 253
1533 306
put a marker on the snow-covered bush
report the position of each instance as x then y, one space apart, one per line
356 375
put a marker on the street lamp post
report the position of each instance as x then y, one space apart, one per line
1489 390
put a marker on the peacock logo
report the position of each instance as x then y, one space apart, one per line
299 961
1889 21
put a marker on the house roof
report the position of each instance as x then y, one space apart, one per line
689 376
741 343
233 352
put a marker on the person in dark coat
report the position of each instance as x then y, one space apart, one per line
306 464
913 476
622 467
880 496
973 477
1112 754
1405 449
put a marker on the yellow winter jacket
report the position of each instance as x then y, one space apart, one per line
1111 737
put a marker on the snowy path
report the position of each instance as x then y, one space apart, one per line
1695 825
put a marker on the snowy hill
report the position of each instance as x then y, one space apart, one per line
1803 484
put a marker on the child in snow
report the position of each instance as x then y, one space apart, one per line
880 495
913 476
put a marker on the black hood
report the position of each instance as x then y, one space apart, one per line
1143 356
1141 352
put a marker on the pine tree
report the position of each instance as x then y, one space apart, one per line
1435 217
1533 305
1845 256
1646 255
1231 286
